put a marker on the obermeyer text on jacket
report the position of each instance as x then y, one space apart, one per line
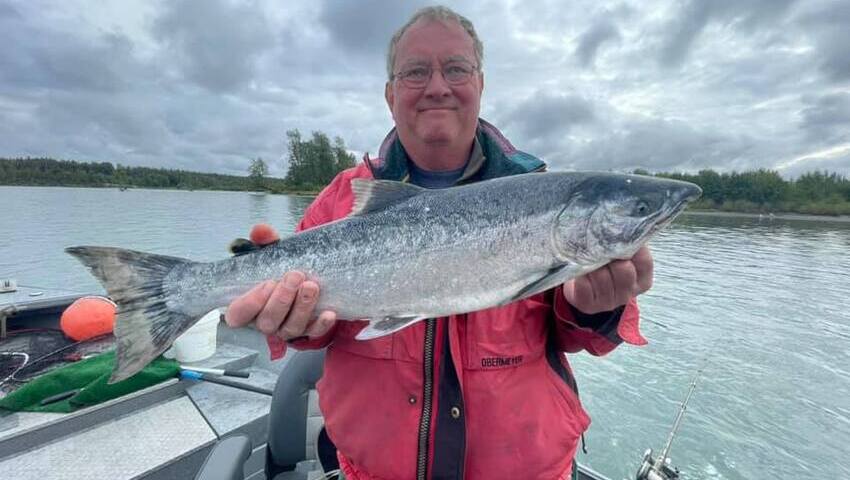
501 361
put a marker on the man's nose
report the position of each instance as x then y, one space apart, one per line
437 85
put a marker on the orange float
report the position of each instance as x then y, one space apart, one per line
263 234
88 317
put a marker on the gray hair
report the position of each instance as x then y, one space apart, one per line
442 14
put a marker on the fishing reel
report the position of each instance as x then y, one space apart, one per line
656 470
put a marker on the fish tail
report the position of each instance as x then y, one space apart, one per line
144 326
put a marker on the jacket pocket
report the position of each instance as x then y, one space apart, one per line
507 336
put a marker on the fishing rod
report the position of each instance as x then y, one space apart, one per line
660 468
190 373
666 451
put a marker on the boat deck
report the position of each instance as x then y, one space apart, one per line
162 432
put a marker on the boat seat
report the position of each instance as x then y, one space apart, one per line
295 421
298 446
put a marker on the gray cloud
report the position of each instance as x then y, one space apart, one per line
660 145
119 121
548 116
826 118
8 11
216 43
830 163
57 59
827 22
593 38
691 17
209 85
365 26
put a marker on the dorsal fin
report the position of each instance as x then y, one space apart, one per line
375 195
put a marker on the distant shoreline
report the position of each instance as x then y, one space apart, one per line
299 193
768 217
309 193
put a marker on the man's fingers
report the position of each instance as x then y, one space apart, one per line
284 308
301 312
644 267
603 288
279 303
624 275
245 309
321 325
579 293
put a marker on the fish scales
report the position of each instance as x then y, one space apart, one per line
412 248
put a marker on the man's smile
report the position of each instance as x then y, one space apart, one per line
438 109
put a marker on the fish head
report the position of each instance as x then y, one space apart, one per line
610 216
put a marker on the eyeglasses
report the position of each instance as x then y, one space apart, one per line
418 76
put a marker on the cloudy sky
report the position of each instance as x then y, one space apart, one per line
209 84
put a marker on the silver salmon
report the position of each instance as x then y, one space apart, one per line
404 254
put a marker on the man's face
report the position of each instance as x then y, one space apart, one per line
439 114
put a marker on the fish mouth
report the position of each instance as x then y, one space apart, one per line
665 216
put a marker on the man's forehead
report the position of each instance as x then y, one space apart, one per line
429 39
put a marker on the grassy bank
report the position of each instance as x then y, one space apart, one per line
828 207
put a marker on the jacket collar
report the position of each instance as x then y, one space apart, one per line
492 156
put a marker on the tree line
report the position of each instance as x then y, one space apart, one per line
315 161
312 164
52 172
764 191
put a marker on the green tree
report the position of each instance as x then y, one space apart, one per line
819 185
258 171
343 159
296 174
322 161
314 163
711 184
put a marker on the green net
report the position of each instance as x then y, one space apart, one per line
90 377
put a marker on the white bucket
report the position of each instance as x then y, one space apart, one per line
197 343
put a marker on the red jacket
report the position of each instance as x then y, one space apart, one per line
503 403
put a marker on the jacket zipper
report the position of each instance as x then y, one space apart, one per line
427 390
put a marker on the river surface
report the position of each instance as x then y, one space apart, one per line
761 307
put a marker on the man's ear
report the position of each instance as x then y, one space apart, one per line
481 79
389 95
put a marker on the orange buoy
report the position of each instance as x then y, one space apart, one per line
263 234
88 317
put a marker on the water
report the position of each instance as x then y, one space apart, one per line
36 224
761 306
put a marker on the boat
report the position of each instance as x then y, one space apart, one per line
265 426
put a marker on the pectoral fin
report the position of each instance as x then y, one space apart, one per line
551 279
378 327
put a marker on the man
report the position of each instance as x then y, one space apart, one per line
483 395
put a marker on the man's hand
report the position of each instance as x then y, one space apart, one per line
285 307
611 286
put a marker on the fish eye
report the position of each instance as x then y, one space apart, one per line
641 209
